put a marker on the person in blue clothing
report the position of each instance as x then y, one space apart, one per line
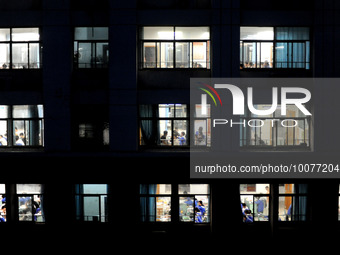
260 206
201 207
247 217
198 214
182 139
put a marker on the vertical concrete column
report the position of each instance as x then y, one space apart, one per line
123 80
57 68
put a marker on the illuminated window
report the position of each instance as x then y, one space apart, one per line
155 202
274 47
255 199
168 125
276 131
20 48
292 202
3 207
194 203
21 125
175 47
30 202
91 47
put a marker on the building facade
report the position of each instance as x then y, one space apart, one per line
88 87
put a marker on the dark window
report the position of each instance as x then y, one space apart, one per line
91 202
91 47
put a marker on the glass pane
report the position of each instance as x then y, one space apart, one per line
266 55
260 188
166 110
85 55
91 33
163 209
20 55
29 188
202 209
5 34
287 188
34 60
25 208
4 111
180 132
256 33
247 203
27 111
100 33
91 208
285 208
180 110
37 208
249 55
160 189
198 111
149 57
202 136
2 191
186 208
166 55
165 128
102 55
193 189
4 56
19 132
299 55
25 34
159 33
261 206
292 33
192 33
3 133
95 189
281 55
183 55
199 54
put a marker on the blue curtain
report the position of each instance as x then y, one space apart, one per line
149 127
148 204
300 203
292 54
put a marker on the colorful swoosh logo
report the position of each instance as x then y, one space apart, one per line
210 94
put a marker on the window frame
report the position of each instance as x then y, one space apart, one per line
147 217
93 42
10 42
259 195
173 41
295 196
172 119
31 195
275 42
10 126
305 146
193 196
80 200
